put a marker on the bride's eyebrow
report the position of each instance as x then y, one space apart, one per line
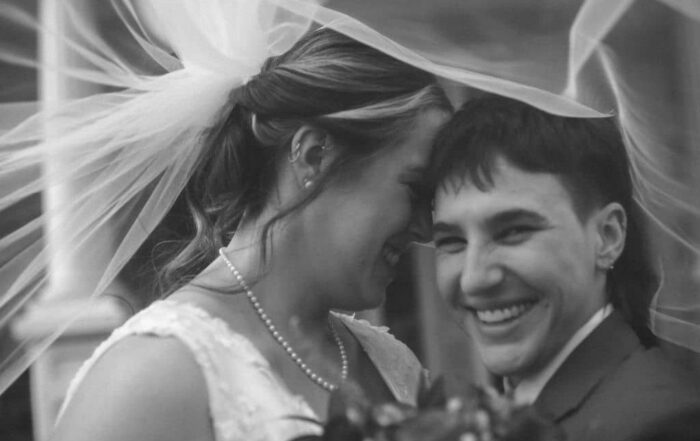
414 170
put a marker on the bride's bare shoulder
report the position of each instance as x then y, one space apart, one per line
143 387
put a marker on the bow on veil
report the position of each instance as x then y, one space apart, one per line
109 165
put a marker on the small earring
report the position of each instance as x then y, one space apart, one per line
295 153
308 183
611 267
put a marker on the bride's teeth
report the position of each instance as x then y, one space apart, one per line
391 257
501 315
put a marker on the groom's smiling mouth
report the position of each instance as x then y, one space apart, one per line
500 314
503 315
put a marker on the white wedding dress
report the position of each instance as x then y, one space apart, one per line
247 400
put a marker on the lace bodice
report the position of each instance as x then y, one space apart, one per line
247 400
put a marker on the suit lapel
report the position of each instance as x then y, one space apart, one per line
597 356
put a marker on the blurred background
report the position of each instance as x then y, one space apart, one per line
18 85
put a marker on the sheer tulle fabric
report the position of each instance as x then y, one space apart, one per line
116 161
123 155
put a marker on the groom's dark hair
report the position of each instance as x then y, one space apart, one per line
586 154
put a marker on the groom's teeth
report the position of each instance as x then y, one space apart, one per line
503 314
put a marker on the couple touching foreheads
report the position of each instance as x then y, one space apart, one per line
319 175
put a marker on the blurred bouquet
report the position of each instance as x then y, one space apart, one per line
481 415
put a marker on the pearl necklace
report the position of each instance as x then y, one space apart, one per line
283 342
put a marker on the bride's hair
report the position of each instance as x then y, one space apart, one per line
364 99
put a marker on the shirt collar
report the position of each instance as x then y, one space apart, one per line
529 388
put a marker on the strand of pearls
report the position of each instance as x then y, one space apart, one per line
282 341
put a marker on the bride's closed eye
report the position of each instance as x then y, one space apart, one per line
413 190
416 189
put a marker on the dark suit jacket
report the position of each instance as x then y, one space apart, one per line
612 388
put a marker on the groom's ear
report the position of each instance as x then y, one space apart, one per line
310 154
611 225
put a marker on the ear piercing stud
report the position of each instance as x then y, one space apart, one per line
295 153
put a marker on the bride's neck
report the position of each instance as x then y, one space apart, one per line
286 298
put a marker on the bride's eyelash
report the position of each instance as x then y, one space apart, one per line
414 190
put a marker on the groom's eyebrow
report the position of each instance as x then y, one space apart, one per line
443 227
516 215
501 218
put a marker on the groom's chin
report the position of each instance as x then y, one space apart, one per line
504 360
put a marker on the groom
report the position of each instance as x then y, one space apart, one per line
541 254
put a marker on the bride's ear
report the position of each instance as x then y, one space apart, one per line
310 153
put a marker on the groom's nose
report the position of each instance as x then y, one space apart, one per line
481 271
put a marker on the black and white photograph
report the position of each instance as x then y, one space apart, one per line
349 220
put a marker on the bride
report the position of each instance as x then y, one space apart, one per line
307 191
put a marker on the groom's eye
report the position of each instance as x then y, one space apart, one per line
515 234
449 244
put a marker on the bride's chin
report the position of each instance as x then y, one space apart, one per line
375 302
364 301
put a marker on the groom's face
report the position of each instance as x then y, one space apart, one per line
517 264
